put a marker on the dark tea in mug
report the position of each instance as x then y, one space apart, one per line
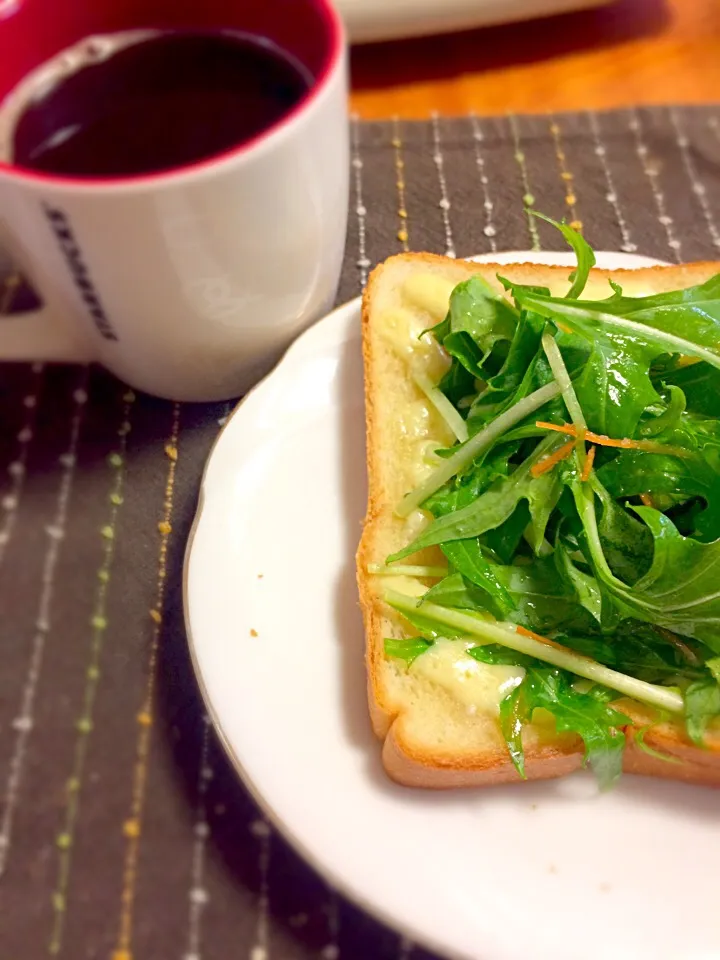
145 101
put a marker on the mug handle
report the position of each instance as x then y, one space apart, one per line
43 334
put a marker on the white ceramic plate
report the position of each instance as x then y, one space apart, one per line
549 871
370 20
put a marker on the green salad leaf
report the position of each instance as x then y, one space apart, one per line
406 649
583 251
497 504
533 595
458 592
614 386
680 591
478 319
478 311
643 651
632 474
586 588
702 704
464 351
668 418
684 321
513 379
626 542
598 724
458 384
700 383
471 561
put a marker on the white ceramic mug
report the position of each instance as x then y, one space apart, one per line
186 284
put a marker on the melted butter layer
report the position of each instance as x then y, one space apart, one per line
429 292
480 686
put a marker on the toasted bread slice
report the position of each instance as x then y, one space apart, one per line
433 734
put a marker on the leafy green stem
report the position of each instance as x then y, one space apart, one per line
507 635
557 365
443 406
407 570
667 341
476 445
585 503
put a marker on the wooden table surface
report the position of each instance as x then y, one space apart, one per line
631 52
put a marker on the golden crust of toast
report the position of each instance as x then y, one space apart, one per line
470 751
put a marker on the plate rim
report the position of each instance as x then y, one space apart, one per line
326 872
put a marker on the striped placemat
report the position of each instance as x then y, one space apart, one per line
124 835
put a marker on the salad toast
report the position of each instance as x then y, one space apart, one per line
535 568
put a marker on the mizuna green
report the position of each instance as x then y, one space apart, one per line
615 559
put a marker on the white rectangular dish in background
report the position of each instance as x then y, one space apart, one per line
372 20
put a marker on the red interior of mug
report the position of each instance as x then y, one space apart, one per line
33 31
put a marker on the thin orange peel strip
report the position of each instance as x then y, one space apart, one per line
589 460
547 463
626 443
